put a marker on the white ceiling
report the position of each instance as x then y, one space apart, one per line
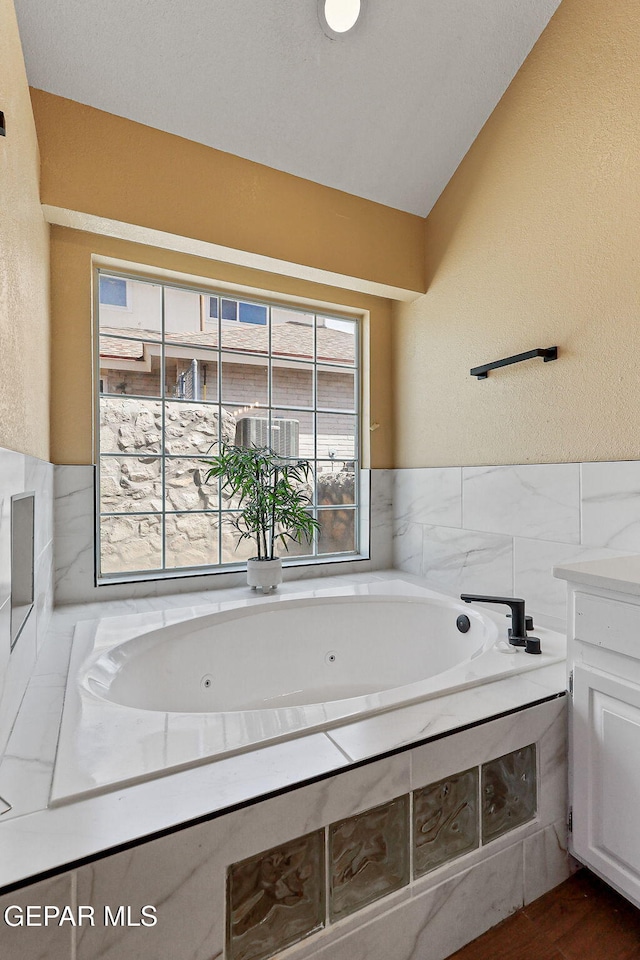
386 112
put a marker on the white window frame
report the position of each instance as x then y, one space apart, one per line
361 479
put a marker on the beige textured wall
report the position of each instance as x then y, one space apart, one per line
71 353
97 163
24 261
536 242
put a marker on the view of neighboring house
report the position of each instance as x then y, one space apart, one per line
181 370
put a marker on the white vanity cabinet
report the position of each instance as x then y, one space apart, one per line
604 734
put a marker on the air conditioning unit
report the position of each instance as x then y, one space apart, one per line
254 432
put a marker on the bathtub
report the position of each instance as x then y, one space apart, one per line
146 696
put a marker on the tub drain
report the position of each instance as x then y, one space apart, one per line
207 682
331 657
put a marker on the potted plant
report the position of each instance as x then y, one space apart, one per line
272 502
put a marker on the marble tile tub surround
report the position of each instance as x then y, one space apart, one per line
74 515
278 897
20 473
137 743
501 529
184 874
35 839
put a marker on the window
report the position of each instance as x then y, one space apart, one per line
183 369
113 291
238 310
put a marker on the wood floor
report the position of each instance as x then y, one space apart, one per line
582 919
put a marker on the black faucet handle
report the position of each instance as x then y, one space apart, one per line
528 622
518 633
532 645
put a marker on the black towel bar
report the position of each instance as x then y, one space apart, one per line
547 353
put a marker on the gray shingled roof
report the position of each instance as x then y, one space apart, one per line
287 339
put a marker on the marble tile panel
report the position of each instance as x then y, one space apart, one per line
73 500
51 942
431 495
35 733
381 497
381 521
611 505
39 478
509 792
446 820
552 747
248 775
458 561
74 568
74 526
436 923
533 573
194 862
544 723
181 877
365 495
21 662
5 641
88 826
25 785
377 734
368 857
547 861
43 592
12 472
549 680
26 768
276 898
365 738
407 547
540 501
345 795
53 657
183 874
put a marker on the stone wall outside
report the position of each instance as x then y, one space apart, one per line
133 542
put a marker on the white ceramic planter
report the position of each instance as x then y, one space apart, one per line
264 575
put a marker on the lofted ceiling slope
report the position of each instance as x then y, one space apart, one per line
386 113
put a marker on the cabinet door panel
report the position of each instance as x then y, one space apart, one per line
608 623
606 777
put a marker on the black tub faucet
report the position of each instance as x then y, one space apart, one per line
519 620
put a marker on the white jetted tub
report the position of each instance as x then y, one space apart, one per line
144 699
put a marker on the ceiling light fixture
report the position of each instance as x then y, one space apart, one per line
337 17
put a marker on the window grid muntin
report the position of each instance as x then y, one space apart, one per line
163 417
219 351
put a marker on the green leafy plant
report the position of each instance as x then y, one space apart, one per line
273 504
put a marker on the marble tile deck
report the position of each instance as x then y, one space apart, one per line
96 824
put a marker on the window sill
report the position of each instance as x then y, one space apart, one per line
231 568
